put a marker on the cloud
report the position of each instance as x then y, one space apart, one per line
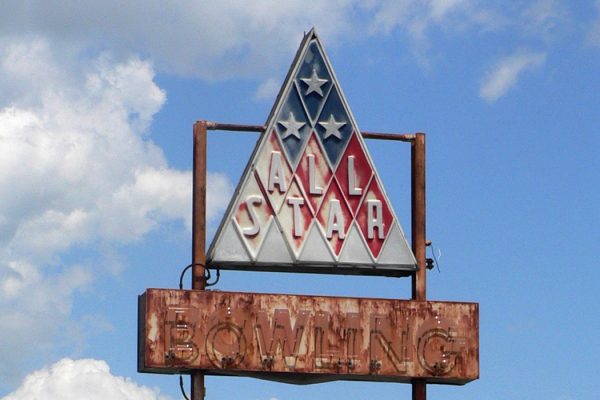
211 40
81 379
233 38
78 169
417 19
506 72
35 312
267 90
415 16
545 19
593 36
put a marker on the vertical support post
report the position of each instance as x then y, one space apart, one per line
199 232
418 222
418 227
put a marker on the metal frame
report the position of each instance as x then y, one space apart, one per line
418 219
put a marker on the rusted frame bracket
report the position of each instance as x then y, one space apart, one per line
418 218
218 126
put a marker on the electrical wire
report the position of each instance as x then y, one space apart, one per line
207 275
182 388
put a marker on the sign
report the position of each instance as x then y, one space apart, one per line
307 339
310 199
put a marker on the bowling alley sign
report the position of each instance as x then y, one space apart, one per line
310 198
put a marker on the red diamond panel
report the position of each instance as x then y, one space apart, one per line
334 217
354 173
252 214
374 218
274 171
295 217
314 173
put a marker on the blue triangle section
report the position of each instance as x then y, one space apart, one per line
313 81
334 127
292 126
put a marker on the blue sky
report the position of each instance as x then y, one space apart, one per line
97 102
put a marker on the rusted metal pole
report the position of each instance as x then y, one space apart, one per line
199 207
418 222
401 137
199 232
418 215
218 126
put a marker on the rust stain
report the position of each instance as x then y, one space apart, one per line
308 339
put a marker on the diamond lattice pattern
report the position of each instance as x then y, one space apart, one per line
311 170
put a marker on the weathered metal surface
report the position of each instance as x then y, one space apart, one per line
198 389
310 199
307 339
219 126
418 220
419 236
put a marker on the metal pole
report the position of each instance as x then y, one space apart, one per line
199 232
418 222
418 215
218 126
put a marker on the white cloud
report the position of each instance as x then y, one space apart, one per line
545 18
35 310
81 379
267 90
206 39
506 73
417 18
593 36
217 40
78 168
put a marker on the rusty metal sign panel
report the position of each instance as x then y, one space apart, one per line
307 339
310 199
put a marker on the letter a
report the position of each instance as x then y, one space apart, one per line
335 222
276 174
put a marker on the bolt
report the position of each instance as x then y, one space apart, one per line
374 365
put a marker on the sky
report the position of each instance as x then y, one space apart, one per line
97 103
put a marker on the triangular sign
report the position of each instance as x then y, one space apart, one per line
310 199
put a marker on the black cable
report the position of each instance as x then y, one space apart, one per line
182 274
182 388
216 279
207 275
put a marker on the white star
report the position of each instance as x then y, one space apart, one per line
314 83
292 126
332 127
